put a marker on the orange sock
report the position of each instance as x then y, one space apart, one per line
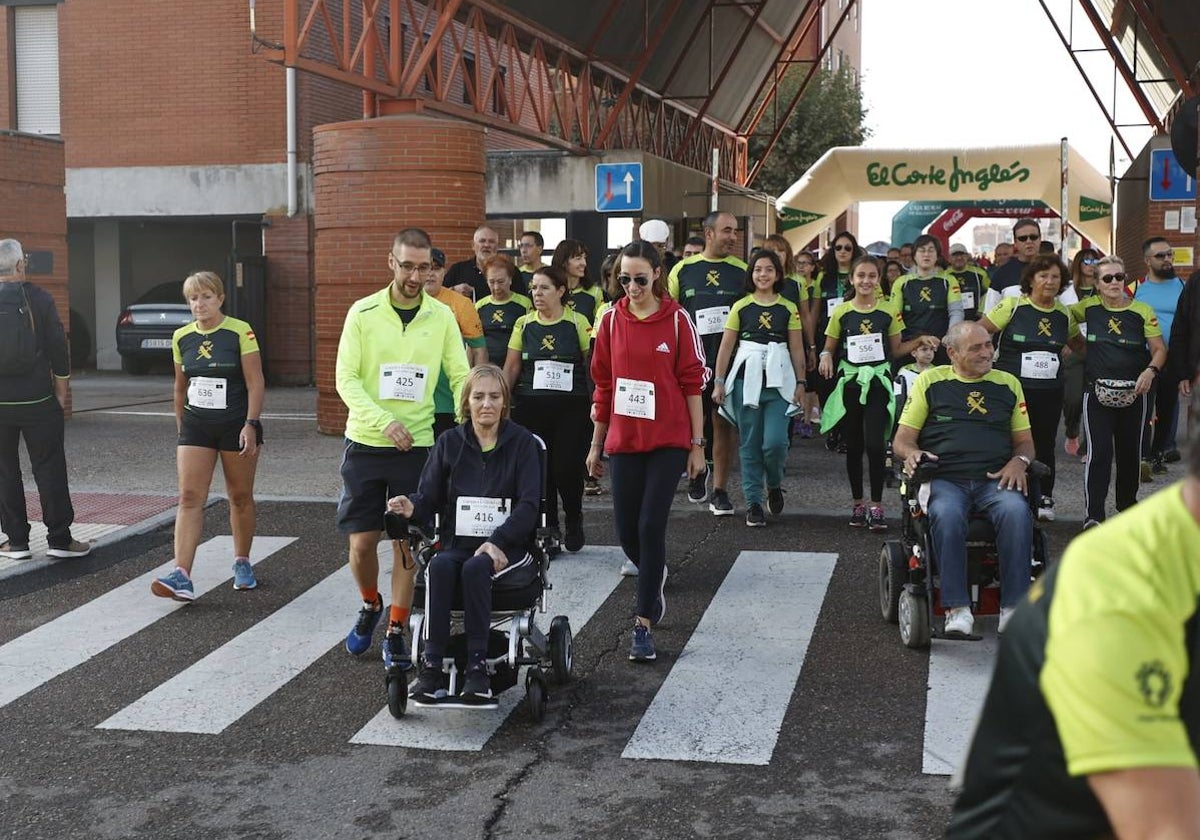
369 596
398 615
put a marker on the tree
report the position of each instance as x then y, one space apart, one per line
830 113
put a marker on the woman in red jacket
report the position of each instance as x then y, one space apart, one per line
648 367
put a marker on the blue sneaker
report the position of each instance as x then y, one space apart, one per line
359 637
243 575
395 649
176 585
642 647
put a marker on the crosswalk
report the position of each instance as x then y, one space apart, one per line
755 631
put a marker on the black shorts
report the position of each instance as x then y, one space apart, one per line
224 437
370 476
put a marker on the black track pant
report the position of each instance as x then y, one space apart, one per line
451 569
1109 431
1045 407
41 424
563 423
865 428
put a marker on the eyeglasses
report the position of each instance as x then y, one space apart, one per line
1028 237
1119 277
409 268
843 247
625 280
1162 255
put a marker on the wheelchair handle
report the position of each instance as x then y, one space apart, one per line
401 528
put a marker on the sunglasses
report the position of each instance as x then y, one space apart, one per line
1090 261
1162 255
843 247
1028 237
1113 278
625 280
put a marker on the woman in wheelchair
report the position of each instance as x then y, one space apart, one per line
483 477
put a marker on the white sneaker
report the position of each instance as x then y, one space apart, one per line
628 569
815 415
1046 510
1005 615
959 620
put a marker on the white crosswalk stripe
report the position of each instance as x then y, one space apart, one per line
57 646
582 582
236 677
959 675
755 633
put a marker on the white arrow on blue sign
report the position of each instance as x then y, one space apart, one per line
1168 180
618 187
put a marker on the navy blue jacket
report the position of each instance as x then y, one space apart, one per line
457 467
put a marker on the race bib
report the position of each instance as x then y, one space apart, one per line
1039 364
864 349
552 376
711 320
898 388
479 516
634 398
403 382
968 300
207 392
832 304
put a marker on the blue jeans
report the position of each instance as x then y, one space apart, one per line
950 502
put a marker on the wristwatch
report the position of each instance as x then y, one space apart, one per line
699 442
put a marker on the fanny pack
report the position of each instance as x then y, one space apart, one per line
1115 393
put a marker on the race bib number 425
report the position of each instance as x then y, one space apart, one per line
402 382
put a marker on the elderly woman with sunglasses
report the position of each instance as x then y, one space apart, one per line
1125 352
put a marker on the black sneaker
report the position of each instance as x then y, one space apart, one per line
574 539
641 648
477 685
591 487
858 517
833 440
1171 456
698 488
875 519
720 504
754 516
1157 467
429 686
775 500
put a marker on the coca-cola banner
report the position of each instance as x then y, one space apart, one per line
1033 174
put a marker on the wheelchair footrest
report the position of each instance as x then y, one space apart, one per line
954 636
458 701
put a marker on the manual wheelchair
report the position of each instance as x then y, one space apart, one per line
909 588
515 640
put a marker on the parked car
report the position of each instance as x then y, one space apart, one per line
145 327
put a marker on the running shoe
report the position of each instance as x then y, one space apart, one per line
754 515
959 620
1145 472
1005 614
176 585
591 487
477 686
804 429
359 637
629 569
858 517
243 574
1045 509
429 686
775 500
1157 465
814 416
698 488
641 649
15 552
1171 456
875 519
1071 446
573 538
74 548
395 648
1090 523
720 504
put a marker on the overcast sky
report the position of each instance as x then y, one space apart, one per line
958 73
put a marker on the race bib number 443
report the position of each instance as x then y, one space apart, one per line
634 398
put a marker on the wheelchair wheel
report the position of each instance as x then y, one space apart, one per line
913 615
397 690
561 649
893 572
535 692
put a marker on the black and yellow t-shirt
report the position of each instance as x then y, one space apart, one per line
925 303
707 289
498 320
212 362
967 423
1098 672
763 323
1031 340
548 349
973 284
585 301
1116 338
828 292
864 337
795 289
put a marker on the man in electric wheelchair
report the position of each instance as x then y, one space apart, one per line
483 482
969 421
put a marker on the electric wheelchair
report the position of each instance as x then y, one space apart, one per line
909 590
515 640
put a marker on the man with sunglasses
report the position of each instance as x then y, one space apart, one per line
1027 238
396 346
707 285
1160 290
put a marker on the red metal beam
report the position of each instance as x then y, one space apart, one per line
1159 37
787 55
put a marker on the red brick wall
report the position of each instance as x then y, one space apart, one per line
371 179
33 206
289 292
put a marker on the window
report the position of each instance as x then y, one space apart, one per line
36 63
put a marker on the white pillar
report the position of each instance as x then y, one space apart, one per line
107 258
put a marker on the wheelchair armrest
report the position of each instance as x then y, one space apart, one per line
924 473
1037 469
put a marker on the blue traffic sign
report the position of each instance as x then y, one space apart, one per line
618 187
1168 180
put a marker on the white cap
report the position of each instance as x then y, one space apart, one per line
959 248
655 230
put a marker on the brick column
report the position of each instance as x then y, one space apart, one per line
289 246
371 178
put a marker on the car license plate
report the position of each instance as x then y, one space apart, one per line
156 344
